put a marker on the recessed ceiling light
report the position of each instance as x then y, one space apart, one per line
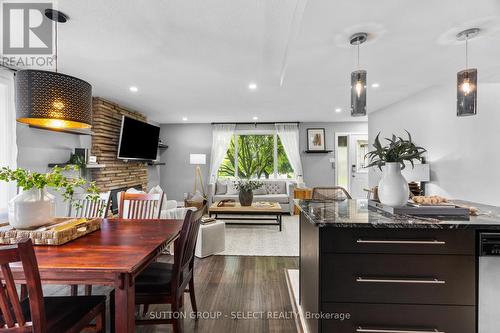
252 86
255 118
184 119
375 85
338 110
133 89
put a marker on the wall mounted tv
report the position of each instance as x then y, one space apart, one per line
138 140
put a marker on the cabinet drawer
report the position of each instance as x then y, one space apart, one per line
398 278
406 241
391 318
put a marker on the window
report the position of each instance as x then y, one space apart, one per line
8 148
256 156
342 161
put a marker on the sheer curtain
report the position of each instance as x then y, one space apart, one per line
289 135
8 146
221 138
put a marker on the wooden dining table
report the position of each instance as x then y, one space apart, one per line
112 256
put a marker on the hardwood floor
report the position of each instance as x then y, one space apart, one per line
228 287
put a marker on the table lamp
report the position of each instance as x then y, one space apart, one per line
198 159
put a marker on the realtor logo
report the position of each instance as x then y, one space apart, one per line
25 29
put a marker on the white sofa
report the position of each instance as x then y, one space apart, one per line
272 190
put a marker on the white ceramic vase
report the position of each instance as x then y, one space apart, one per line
31 208
393 188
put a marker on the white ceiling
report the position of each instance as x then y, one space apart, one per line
195 58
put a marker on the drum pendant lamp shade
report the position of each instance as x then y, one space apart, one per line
53 100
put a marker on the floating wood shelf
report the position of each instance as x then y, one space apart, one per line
87 166
317 151
156 163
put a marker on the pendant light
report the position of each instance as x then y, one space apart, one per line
467 79
358 80
50 99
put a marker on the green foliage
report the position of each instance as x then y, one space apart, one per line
255 158
78 160
398 150
247 185
55 179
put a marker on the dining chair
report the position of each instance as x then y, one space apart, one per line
40 314
330 193
166 283
82 207
144 206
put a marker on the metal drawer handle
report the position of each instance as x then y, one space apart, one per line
411 280
371 330
399 241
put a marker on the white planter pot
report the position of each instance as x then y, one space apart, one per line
31 208
393 188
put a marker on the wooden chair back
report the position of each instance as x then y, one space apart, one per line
184 251
140 205
330 193
86 208
10 307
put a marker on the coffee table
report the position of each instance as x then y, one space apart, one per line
254 212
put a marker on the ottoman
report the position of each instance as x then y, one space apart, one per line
211 239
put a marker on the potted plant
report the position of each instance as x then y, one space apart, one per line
245 188
34 206
393 187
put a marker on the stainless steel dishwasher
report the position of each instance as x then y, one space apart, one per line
489 283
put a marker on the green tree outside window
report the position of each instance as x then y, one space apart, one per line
255 158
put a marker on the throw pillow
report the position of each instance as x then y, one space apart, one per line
157 190
220 187
260 191
276 187
231 188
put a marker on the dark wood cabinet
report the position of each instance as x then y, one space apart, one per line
400 241
393 278
387 279
397 318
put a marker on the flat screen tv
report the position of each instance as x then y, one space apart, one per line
138 140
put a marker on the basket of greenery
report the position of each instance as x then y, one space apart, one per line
34 206
245 188
393 187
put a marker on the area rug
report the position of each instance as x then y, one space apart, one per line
260 240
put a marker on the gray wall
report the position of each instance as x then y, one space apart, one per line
37 148
177 176
462 152
318 170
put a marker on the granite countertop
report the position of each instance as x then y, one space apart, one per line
356 214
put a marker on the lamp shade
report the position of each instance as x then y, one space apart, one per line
467 92
197 159
358 93
53 100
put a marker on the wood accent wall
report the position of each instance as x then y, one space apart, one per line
106 123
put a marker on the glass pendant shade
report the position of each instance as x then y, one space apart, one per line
467 92
53 100
358 93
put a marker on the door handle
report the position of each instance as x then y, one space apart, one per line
374 330
400 280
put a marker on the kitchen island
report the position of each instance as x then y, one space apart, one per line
365 271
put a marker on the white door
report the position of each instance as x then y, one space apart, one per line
350 162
